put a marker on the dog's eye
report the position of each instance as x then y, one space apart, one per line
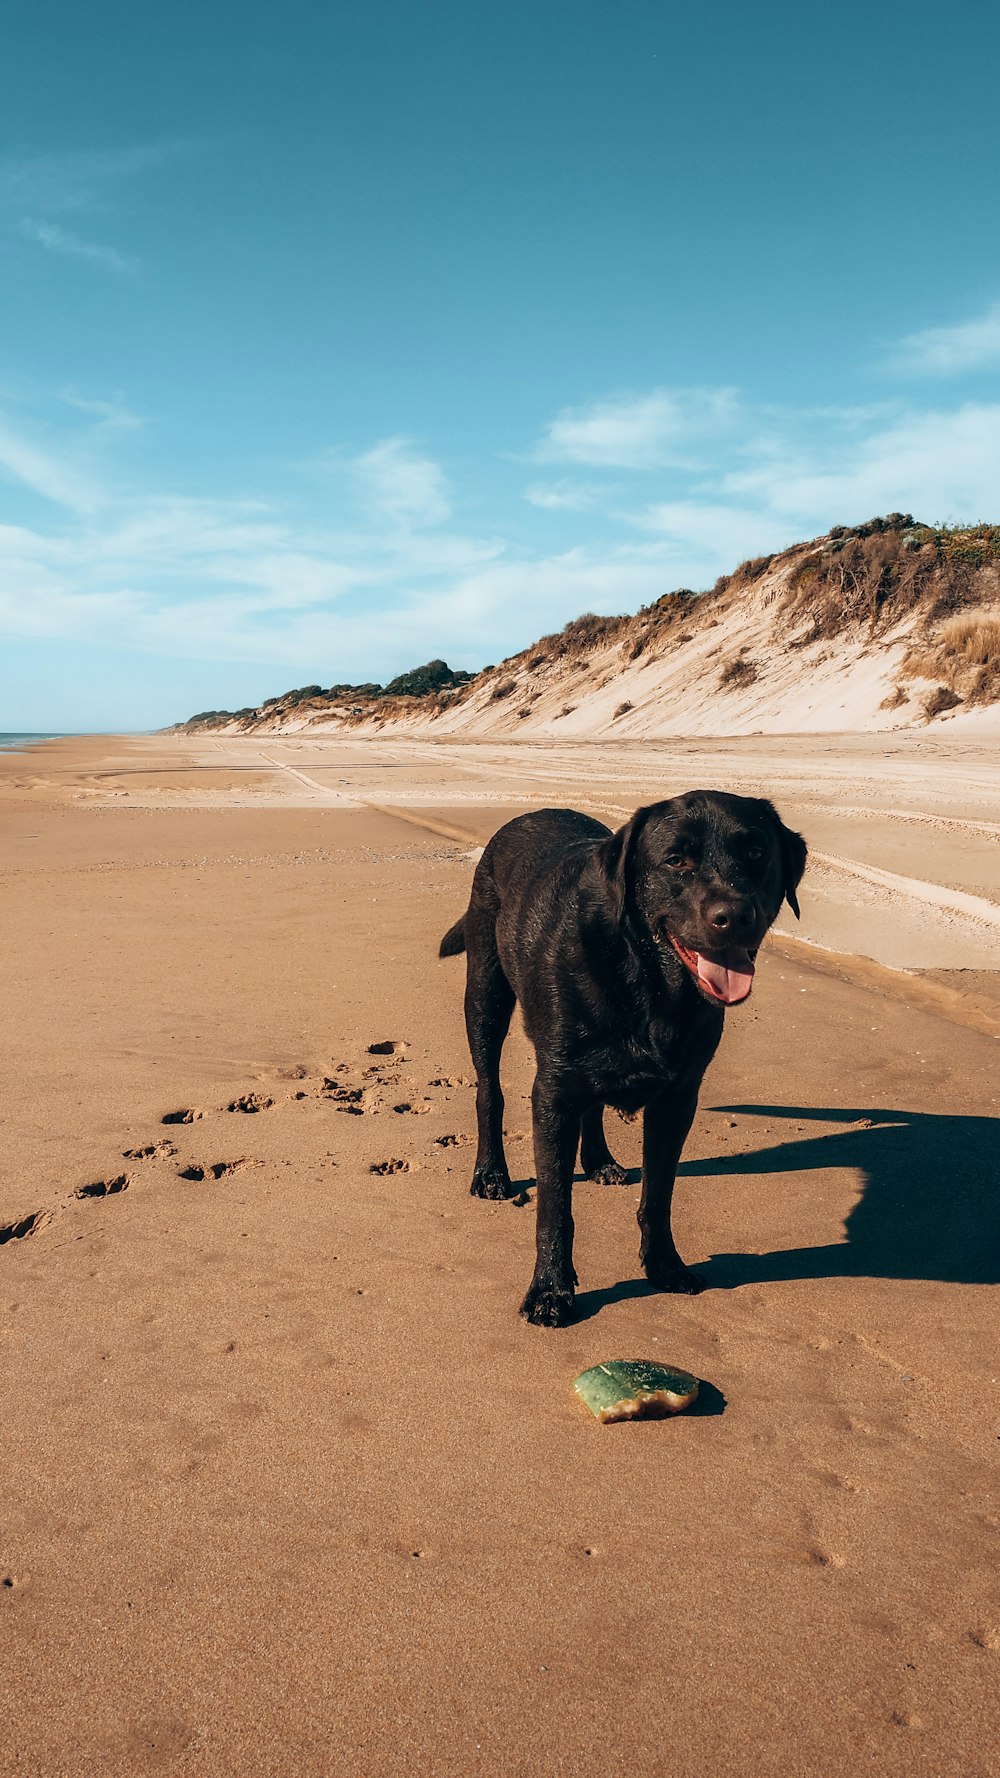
680 861
754 854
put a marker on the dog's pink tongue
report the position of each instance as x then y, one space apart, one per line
726 974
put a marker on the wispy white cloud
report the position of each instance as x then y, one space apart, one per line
766 475
401 485
237 579
110 415
711 534
53 474
35 188
59 240
666 427
940 464
565 495
76 179
951 351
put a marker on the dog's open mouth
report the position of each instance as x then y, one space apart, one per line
726 976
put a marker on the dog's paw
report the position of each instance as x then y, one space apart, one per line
609 1174
492 1182
547 1304
675 1279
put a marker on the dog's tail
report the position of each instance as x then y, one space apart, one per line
453 942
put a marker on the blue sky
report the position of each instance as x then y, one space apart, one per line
342 335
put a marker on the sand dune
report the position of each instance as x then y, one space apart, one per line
886 626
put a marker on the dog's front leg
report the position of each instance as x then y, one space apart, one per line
556 1128
665 1125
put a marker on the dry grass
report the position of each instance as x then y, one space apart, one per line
623 710
896 697
657 623
749 571
964 656
580 637
738 672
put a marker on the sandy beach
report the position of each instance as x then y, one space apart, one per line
288 1486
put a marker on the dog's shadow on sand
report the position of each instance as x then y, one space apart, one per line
929 1205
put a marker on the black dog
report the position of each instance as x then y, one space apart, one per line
624 950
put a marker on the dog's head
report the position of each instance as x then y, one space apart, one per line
706 874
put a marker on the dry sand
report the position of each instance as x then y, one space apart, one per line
288 1487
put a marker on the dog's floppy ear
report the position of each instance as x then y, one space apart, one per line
794 853
619 858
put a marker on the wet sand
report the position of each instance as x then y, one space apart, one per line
289 1488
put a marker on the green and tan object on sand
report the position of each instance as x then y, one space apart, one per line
635 1389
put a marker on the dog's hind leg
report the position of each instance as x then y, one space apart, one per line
596 1160
489 1003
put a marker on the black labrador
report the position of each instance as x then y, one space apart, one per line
624 950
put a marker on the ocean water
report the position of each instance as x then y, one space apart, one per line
10 740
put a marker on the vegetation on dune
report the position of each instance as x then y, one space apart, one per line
208 716
875 574
738 672
421 682
975 544
370 689
964 656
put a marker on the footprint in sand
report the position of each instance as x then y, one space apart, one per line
186 1116
214 1169
394 1166
451 1080
104 1188
390 1047
355 1100
251 1102
415 1107
151 1149
24 1226
39 1219
452 1141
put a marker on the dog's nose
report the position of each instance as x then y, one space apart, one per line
732 919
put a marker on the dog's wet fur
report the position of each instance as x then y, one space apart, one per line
623 950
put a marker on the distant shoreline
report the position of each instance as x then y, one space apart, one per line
12 740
